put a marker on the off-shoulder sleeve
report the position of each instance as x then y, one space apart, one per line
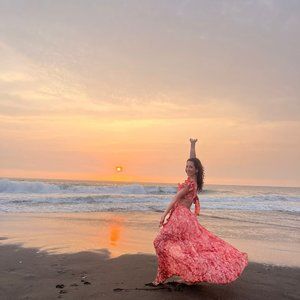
188 183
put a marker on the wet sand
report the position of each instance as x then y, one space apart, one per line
111 256
133 233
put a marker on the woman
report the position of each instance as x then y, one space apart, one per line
187 249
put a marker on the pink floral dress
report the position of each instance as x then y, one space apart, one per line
187 249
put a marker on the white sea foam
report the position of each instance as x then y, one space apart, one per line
39 187
62 196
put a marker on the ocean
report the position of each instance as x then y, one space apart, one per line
263 221
82 196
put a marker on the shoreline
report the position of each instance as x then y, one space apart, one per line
132 233
109 255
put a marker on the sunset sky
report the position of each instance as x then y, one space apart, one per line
86 86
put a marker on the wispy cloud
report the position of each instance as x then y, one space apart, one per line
186 66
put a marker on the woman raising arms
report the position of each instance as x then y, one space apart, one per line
187 249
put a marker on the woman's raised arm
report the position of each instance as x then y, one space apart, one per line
193 148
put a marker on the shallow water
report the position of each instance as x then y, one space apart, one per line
133 232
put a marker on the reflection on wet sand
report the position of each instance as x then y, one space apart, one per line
115 228
117 233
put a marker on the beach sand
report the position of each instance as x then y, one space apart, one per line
26 274
108 256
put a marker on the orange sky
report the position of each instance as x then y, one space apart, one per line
82 93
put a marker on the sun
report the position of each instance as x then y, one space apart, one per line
119 168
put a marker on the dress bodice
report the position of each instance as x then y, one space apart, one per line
191 196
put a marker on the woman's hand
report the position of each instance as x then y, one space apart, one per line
193 148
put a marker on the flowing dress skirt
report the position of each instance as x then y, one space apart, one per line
187 249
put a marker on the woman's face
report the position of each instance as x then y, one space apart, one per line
190 168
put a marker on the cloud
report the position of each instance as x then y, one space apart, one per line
187 58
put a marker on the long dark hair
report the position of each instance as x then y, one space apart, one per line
199 174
